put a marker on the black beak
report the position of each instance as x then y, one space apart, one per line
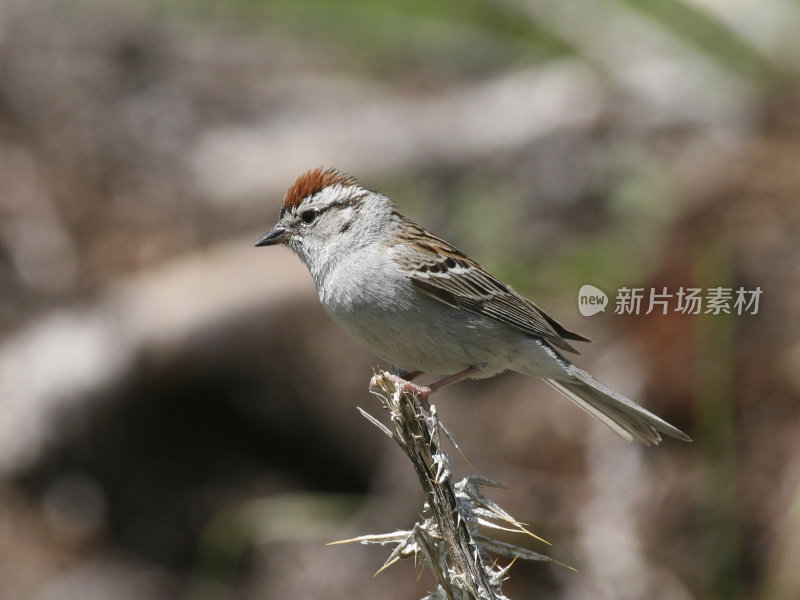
278 235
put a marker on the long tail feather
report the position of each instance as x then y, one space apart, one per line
623 416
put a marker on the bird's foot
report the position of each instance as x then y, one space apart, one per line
420 392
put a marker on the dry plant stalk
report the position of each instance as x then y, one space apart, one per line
447 540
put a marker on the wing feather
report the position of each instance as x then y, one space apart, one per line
443 273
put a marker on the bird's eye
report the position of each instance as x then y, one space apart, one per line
308 216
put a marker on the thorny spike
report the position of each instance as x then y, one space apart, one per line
446 540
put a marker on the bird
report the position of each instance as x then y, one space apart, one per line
422 305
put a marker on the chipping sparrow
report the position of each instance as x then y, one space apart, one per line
422 305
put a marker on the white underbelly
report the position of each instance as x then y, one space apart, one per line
440 339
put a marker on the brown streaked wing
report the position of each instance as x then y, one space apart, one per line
444 273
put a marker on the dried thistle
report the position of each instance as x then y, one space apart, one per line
447 540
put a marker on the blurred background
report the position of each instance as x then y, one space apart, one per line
177 413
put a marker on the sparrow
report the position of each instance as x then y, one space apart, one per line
425 307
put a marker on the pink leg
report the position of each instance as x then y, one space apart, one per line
422 392
404 385
455 378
